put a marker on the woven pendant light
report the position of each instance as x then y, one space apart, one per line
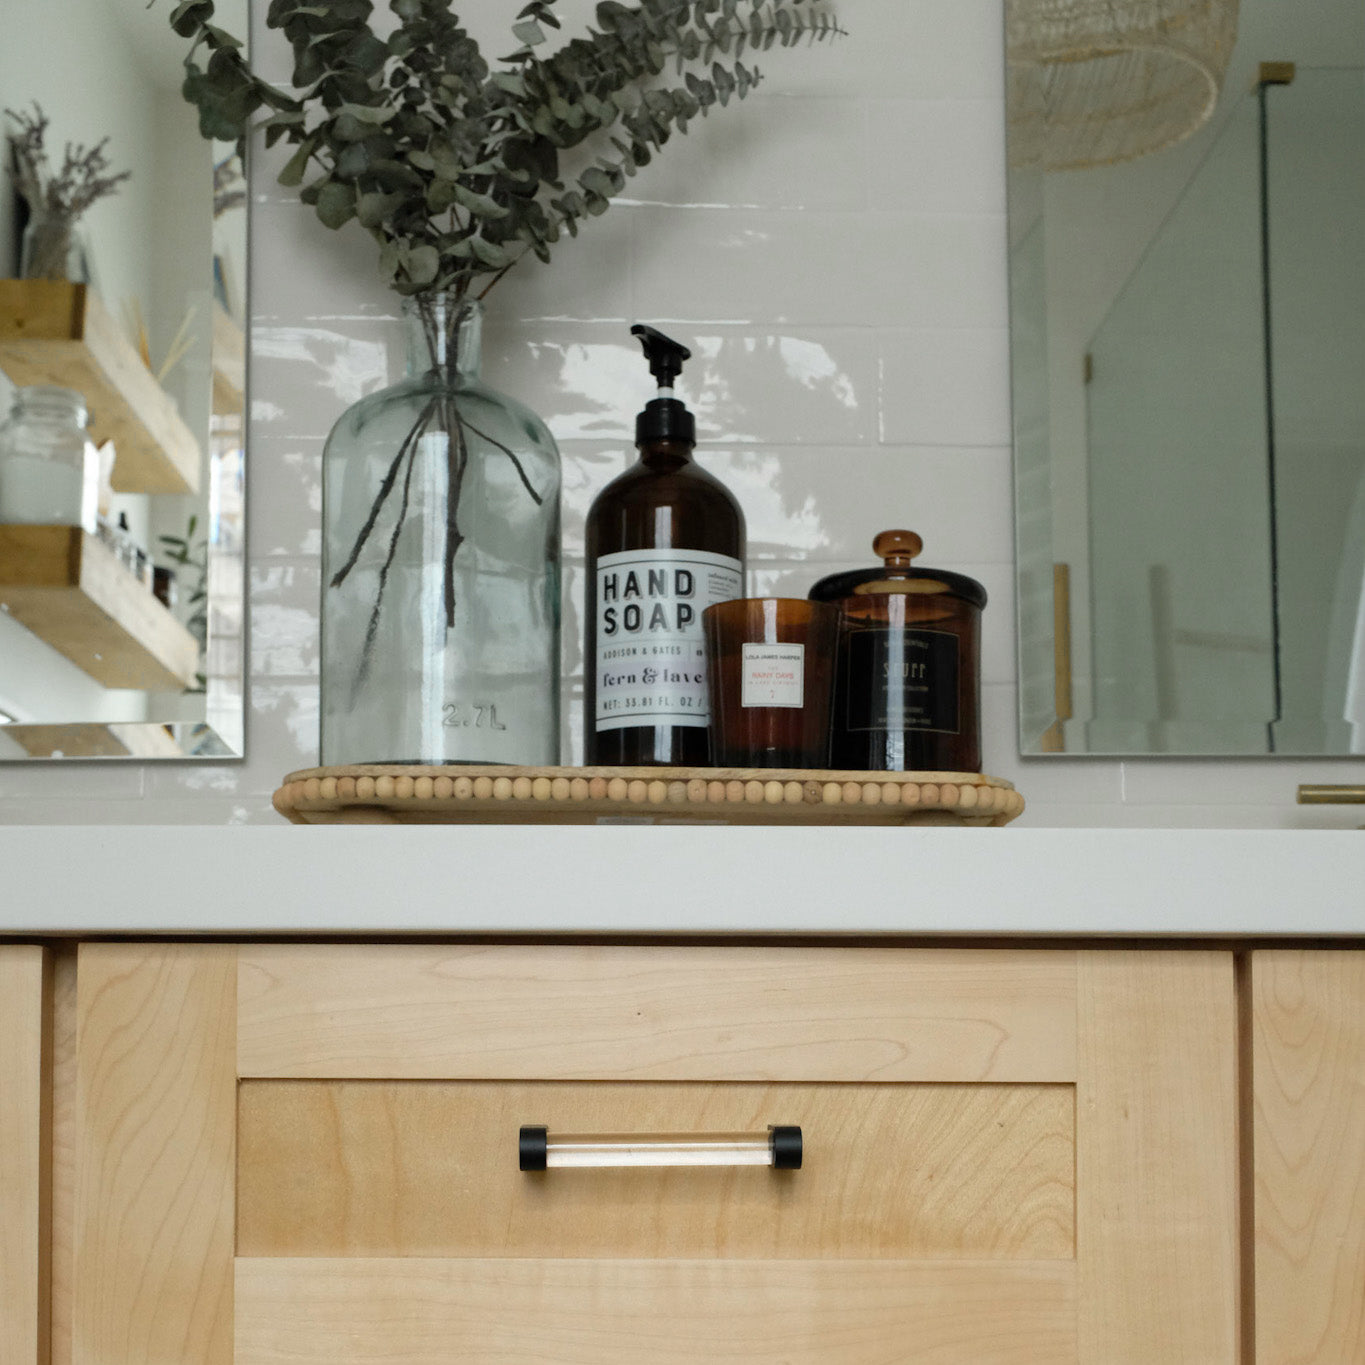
1093 83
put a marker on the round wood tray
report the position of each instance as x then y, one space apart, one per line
383 793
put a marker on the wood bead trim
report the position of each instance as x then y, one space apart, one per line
393 794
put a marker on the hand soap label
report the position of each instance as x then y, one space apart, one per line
651 659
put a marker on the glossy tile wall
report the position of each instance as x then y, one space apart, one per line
833 250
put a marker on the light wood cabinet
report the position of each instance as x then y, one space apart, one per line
1308 1087
288 1154
279 1154
24 1155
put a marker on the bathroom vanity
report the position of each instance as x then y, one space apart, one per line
1064 1096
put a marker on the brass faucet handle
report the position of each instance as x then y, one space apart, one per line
1310 795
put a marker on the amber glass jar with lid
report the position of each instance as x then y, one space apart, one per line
907 692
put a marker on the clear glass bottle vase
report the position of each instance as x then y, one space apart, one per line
440 589
53 248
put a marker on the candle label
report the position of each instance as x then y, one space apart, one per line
772 675
902 680
651 658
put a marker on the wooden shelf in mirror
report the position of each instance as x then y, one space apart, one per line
95 739
229 363
56 332
70 590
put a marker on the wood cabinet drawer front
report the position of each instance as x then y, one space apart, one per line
303 1155
581 1312
24 1136
604 1013
374 1168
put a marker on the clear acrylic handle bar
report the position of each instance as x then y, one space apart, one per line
539 1150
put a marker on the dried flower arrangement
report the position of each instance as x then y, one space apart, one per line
56 200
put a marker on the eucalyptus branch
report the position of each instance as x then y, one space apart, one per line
506 450
452 163
372 625
385 488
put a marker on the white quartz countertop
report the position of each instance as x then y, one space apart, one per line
682 879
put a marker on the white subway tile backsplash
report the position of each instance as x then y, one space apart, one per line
833 269
284 617
772 151
827 503
930 48
1270 782
833 252
81 810
301 269
304 377
118 783
284 495
936 270
945 387
1062 815
753 267
590 381
949 155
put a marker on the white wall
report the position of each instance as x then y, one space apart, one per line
834 251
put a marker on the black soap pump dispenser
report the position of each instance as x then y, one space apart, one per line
664 541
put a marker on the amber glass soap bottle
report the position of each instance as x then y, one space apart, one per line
664 541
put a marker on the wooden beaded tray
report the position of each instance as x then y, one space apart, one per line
411 794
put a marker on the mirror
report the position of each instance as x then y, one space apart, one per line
122 590
1188 346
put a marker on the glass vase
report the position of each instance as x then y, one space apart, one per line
52 248
440 591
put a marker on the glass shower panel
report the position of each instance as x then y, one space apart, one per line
1180 535
1315 196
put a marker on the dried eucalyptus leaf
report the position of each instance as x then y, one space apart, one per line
422 264
292 173
480 204
336 204
374 210
453 164
190 16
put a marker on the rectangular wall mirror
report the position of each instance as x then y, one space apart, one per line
1187 252
121 568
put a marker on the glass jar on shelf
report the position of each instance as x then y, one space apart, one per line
49 470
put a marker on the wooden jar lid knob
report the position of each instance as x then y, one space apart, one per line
897 548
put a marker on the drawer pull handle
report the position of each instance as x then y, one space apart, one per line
779 1147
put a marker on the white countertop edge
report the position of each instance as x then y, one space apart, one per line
678 879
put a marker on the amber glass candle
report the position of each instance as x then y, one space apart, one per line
770 670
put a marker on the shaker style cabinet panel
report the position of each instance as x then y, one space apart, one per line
1308 1084
305 1155
24 1138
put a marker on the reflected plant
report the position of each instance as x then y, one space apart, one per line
193 559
